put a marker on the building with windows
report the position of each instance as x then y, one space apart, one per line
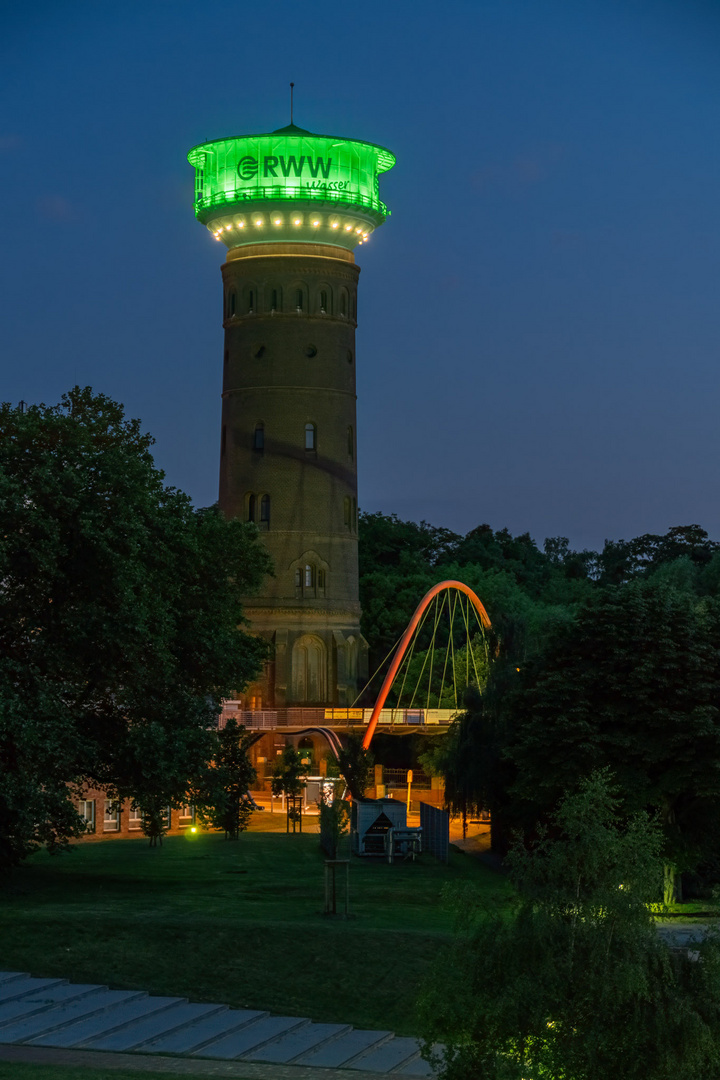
291 208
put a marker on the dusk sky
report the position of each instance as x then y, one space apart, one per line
539 323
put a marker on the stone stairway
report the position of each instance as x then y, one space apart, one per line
56 1013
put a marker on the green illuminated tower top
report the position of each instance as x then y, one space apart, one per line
289 185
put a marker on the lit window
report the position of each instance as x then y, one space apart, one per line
310 437
87 812
259 437
111 820
350 442
309 577
251 508
265 508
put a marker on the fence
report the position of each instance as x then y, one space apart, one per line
435 825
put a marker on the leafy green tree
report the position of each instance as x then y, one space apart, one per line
634 685
576 982
120 616
288 773
356 766
221 798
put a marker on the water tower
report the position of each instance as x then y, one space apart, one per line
291 207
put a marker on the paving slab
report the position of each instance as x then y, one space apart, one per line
151 1027
419 1067
300 1041
251 1037
205 1031
81 1032
389 1056
344 1049
42 1001
20 987
40 1023
8 976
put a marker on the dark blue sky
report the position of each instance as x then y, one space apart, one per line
539 318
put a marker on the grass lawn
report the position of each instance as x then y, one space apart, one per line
237 922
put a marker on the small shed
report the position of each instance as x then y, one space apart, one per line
370 821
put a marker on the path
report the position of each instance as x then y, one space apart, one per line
56 1018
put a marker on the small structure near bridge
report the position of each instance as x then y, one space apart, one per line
379 827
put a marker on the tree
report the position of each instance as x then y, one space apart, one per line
222 794
120 618
634 685
355 765
576 982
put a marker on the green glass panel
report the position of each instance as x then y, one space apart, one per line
289 165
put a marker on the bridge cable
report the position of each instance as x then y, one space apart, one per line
429 653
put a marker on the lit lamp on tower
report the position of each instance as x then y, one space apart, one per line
291 207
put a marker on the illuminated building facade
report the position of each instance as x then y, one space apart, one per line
291 207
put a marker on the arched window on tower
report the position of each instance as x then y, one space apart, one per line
323 302
223 441
259 438
299 299
310 437
251 301
350 442
233 302
309 578
265 510
347 510
343 302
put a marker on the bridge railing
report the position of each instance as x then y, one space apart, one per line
295 717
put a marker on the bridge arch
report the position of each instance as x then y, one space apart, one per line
427 599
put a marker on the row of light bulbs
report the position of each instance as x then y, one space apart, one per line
316 222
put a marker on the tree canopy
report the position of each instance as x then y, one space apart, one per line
576 982
120 617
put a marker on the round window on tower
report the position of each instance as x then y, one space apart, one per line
311 351
259 352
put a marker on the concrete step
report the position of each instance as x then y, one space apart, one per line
79 1033
251 1037
18 988
344 1049
203 1032
50 1019
151 1027
391 1055
56 1013
416 1067
62 993
300 1041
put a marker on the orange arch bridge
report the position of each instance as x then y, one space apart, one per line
407 637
